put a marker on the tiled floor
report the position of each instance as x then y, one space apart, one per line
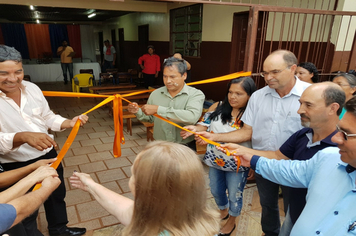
91 152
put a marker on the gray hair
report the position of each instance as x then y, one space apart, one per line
9 54
334 94
179 63
351 79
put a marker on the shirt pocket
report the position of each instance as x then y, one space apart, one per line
36 111
292 124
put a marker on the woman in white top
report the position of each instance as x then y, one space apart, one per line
223 117
169 194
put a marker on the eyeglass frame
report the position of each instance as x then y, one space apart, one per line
345 135
274 72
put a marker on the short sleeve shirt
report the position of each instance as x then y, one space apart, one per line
7 216
64 55
273 119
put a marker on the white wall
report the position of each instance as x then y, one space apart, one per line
158 26
217 22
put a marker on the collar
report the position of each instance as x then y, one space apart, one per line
183 90
326 140
22 88
297 89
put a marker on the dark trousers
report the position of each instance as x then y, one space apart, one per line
55 206
69 67
107 65
149 79
269 194
17 230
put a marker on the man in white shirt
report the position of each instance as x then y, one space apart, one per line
25 118
269 120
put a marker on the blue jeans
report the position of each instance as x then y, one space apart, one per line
287 225
65 67
234 182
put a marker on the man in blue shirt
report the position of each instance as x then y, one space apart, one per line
329 176
320 107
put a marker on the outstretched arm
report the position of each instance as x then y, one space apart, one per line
238 136
119 206
27 204
21 187
10 177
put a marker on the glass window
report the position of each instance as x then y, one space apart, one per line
186 30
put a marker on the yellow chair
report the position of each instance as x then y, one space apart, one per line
82 81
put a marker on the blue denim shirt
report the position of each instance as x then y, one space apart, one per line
331 198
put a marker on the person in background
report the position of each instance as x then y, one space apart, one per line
151 65
175 101
109 59
329 177
169 191
179 56
223 117
348 83
15 204
67 53
307 72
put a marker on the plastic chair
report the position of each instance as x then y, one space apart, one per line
88 71
82 81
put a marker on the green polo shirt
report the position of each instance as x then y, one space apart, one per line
184 109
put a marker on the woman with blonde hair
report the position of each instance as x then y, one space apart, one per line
169 194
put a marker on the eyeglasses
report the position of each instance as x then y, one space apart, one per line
344 85
344 134
273 72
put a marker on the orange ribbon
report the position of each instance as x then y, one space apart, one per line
118 113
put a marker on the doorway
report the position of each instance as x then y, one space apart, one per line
101 46
142 38
121 55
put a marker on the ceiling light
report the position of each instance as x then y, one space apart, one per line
32 7
91 15
89 11
38 21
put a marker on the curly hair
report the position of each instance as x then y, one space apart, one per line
312 69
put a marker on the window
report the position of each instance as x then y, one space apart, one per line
186 28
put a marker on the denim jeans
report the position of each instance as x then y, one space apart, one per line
287 226
234 182
65 67
268 192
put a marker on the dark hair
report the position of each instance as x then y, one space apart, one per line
107 41
312 69
9 54
180 64
351 79
350 106
334 94
150 46
225 108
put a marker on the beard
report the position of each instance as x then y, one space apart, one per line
305 123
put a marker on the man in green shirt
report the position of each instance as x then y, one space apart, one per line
175 101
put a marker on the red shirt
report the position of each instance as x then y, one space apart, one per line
151 63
